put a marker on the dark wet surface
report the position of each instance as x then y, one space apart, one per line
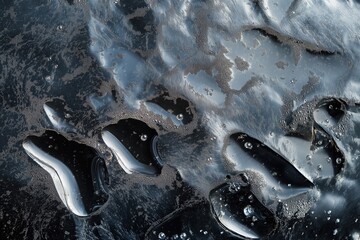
192 76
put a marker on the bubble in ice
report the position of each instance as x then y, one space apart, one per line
48 78
162 235
183 236
248 211
234 187
143 137
180 117
248 145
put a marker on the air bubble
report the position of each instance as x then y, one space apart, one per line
183 236
143 137
338 161
234 187
248 211
308 157
180 117
162 235
48 78
248 145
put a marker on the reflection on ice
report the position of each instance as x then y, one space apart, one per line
245 66
239 211
278 167
79 175
63 179
58 116
132 142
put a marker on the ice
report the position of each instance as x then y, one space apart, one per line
79 175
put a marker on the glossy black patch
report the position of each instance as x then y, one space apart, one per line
238 210
176 106
84 163
279 167
139 139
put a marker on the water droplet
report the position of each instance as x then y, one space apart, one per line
338 161
180 117
60 28
183 236
337 220
248 145
308 157
248 211
205 232
329 212
234 187
319 167
143 137
162 235
335 232
67 115
48 78
331 107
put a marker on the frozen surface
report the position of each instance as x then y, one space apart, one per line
205 102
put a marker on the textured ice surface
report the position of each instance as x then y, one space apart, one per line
282 74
